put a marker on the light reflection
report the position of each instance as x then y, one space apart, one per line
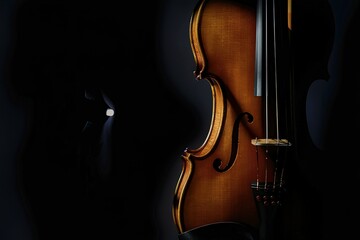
109 112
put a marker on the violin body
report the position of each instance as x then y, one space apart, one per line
220 179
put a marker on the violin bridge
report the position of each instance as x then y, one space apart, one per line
270 142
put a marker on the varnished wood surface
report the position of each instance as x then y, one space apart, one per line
223 42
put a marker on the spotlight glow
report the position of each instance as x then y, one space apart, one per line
110 112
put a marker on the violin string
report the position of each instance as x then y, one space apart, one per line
276 95
283 168
276 167
266 72
275 74
266 167
266 94
257 168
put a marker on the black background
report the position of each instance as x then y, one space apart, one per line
138 55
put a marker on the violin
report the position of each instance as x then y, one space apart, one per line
238 175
